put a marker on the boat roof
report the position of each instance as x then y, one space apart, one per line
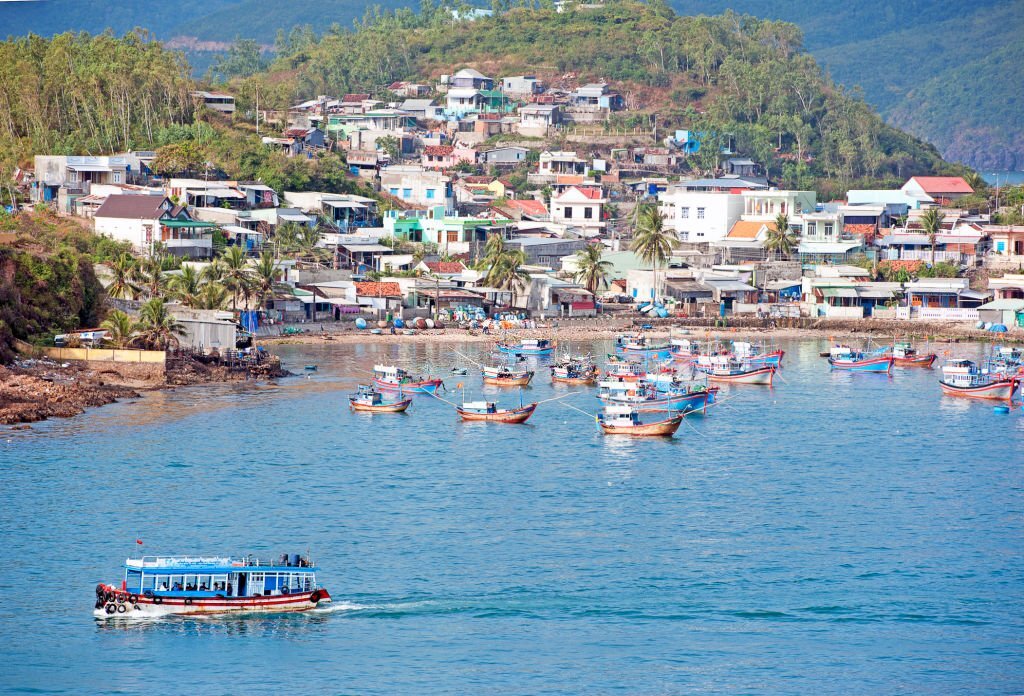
476 405
619 410
210 564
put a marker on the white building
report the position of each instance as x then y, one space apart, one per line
418 187
146 220
700 216
766 205
581 207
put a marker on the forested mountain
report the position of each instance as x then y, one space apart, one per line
925 64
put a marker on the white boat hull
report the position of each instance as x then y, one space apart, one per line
148 607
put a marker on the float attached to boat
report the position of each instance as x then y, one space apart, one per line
162 585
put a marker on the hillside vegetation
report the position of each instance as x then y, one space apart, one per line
728 75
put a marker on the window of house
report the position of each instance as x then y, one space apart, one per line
829 229
812 229
393 190
588 213
407 193
684 213
117 177
700 213
430 193
568 213
453 235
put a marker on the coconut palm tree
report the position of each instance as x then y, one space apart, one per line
652 242
185 286
214 272
150 276
157 328
120 329
780 239
124 286
507 273
931 224
235 272
211 296
590 269
265 276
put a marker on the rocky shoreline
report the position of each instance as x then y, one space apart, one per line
32 390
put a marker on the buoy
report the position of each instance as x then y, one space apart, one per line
1001 409
360 323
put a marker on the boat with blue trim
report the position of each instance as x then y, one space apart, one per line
961 377
371 400
640 345
845 358
723 368
162 585
528 346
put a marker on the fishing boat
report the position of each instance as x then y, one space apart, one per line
369 399
757 355
845 358
649 399
683 349
571 370
489 411
392 378
528 346
628 370
724 368
506 376
161 585
905 355
961 377
617 419
640 345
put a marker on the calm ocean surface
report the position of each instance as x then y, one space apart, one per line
838 533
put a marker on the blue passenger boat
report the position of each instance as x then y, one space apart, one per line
843 358
528 346
161 585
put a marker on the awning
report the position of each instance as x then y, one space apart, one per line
975 294
217 193
293 217
874 294
180 224
839 292
238 229
89 168
827 247
342 302
782 284
344 204
365 248
728 285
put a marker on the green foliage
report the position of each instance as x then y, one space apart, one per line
242 59
47 283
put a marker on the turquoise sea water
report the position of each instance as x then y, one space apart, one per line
838 533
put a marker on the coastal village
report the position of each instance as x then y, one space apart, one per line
501 203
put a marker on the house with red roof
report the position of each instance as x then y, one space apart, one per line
526 209
441 157
939 189
381 296
443 269
580 206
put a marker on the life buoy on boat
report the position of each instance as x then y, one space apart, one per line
111 608
133 598
158 600
122 608
188 601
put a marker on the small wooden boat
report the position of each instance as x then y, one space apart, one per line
905 355
370 400
965 378
529 346
571 370
624 420
855 361
503 376
489 411
392 378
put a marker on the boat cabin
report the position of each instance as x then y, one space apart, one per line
480 406
366 394
198 577
620 416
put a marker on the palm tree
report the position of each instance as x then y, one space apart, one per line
590 269
286 237
211 296
264 275
507 273
150 275
214 272
124 286
780 239
493 250
120 329
652 242
158 329
185 286
235 272
931 224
